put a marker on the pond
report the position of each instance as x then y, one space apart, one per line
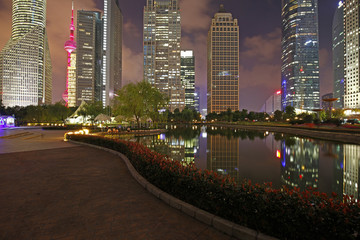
262 156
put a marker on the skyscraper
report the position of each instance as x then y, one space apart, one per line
300 54
188 77
162 36
112 51
352 54
70 46
88 71
223 63
338 55
25 64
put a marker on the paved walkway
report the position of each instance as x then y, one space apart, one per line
83 193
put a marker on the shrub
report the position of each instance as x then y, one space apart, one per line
285 213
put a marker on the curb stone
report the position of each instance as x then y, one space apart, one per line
220 224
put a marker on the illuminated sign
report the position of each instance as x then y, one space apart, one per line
278 154
278 92
7 121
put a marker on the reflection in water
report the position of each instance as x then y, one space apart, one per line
351 170
223 155
299 162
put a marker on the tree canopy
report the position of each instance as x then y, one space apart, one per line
140 101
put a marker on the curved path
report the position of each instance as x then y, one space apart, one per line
64 191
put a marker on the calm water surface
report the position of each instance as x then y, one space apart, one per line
260 156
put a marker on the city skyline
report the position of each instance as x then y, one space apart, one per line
259 70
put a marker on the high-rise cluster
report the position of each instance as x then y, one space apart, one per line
300 54
94 71
25 64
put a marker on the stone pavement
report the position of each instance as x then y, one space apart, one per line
80 192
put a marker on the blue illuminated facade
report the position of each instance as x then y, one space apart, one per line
300 54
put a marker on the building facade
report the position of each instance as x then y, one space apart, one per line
88 69
223 63
338 55
272 104
25 64
162 60
188 77
197 99
352 54
300 80
71 78
111 51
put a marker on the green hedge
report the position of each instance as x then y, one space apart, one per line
284 213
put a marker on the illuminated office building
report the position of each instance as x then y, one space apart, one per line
272 104
88 56
188 77
223 63
162 36
300 54
338 55
352 54
25 64
111 51
197 99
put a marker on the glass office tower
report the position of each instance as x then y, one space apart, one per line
88 69
112 51
300 54
25 64
338 55
352 54
162 36
188 77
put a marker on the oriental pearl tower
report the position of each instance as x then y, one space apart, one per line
70 46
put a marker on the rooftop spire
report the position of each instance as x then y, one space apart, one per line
222 9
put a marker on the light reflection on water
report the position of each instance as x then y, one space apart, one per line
261 156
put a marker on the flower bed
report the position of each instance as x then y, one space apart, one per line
286 213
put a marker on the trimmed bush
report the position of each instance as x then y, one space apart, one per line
284 213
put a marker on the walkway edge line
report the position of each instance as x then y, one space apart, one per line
220 224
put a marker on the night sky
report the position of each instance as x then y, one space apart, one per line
260 41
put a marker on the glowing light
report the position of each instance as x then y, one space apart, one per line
278 92
278 154
340 4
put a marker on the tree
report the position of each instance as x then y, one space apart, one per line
229 115
92 110
140 101
278 115
2 108
289 112
187 115
243 114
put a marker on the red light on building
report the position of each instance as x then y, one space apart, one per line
278 92
278 154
